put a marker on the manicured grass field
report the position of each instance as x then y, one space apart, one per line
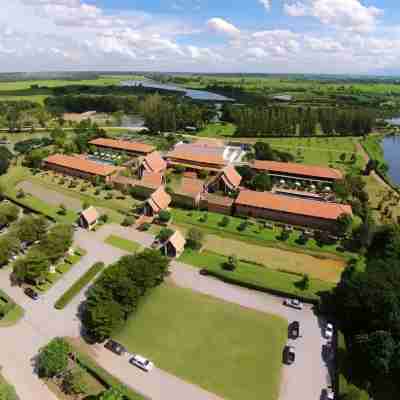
254 233
123 244
226 349
257 275
14 314
218 130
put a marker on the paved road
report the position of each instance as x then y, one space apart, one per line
304 380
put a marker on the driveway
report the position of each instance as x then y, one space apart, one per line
303 380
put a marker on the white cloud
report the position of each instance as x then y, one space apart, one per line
344 14
220 25
266 4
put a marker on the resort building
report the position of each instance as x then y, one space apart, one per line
293 211
152 163
297 171
189 193
158 201
148 185
80 167
227 181
217 204
175 245
123 146
88 218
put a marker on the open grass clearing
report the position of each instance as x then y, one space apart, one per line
218 130
253 233
13 312
249 274
123 244
222 347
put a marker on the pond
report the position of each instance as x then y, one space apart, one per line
193 94
391 149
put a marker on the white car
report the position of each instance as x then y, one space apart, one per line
142 363
294 303
329 331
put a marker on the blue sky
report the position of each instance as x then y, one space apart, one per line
316 36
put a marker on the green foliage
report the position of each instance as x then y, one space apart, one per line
34 158
304 283
31 228
164 216
7 392
195 239
115 294
128 221
264 151
112 394
165 234
262 182
53 358
84 280
232 263
62 210
225 221
74 382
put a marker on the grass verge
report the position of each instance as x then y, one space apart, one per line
204 343
12 311
254 276
123 244
84 280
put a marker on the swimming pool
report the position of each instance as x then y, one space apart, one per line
100 160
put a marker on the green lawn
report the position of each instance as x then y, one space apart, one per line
14 314
253 233
123 244
218 130
256 275
222 347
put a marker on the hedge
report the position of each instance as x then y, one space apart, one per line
248 285
100 374
67 297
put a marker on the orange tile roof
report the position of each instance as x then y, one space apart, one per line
80 164
276 202
177 241
190 174
123 145
191 187
209 142
298 169
154 162
159 200
152 179
90 214
231 177
192 157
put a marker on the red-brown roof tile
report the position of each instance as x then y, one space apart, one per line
159 200
276 202
231 177
154 162
191 187
123 145
298 169
192 157
90 215
152 179
80 164
177 241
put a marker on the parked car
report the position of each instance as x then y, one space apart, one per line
329 331
294 303
289 355
141 362
31 293
294 330
115 347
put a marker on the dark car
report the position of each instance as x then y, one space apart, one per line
294 330
289 355
115 347
31 293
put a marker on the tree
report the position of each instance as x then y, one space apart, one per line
53 358
344 222
74 382
164 216
195 239
304 283
380 349
5 159
62 210
33 268
115 393
343 157
165 234
232 263
262 182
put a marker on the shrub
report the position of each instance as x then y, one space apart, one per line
20 194
103 218
145 227
204 218
195 239
303 239
284 236
128 221
74 382
108 196
231 264
243 226
164 216
62 210
225 221
165 234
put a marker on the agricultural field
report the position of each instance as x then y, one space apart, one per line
155 331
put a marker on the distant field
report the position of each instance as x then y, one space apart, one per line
222 347
218 130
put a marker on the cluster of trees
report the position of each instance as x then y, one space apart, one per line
264 151
115 295
83 103
173 114
16 115
25 146
34 267
5 159
367 305
293 121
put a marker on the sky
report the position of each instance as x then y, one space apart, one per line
253 36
